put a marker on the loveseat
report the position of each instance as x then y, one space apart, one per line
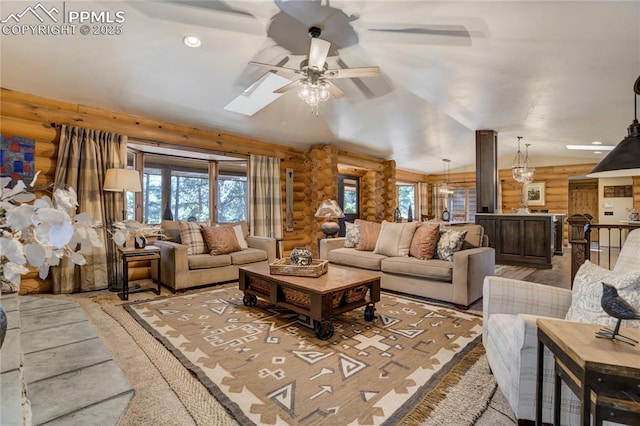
457 280
187 264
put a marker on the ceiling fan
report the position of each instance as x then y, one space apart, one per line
315 83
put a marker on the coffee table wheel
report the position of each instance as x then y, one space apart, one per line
324 330
250 300
369 313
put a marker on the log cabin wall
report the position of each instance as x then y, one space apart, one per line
31 116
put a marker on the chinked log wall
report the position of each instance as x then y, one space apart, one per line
315 173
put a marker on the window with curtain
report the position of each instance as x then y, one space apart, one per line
407 198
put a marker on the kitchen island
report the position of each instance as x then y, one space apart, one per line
528 239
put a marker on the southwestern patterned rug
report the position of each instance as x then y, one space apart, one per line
266 366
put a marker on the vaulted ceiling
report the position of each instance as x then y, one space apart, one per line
554 72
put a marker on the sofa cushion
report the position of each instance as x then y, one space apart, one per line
171 231
450 241
192 237
221 239
395 238
434 269
352 234
249 255
356 258
369 232
586 294
424 241
205 261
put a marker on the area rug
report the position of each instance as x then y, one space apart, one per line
266 366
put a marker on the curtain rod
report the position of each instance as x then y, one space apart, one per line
189 147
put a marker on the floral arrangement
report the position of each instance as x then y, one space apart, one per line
139 231
40 234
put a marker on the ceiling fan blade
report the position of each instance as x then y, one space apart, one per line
276 68
318 53
287 87
441 30
335 91
352 72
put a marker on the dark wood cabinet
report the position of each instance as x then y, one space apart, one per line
523 239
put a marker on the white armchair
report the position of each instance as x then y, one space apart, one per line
510 310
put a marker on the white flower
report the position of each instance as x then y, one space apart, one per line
42 233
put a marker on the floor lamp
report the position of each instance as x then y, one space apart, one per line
122 180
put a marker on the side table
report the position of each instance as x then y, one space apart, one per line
131 254
602 373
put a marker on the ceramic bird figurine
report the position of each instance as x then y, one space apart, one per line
619 308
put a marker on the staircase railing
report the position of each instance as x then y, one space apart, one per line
580 231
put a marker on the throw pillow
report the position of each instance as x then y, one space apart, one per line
171 231
240 236
586 294
369 232
395 238
352 234
191 236
425 240
221 239
450 242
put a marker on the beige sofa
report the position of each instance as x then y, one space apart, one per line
182 271
458 282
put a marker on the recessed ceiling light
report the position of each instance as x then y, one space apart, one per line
192 41
596 143
591 147
597 152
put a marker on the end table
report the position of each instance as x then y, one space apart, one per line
131 254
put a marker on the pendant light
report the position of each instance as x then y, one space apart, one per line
443 189
520 170
624 160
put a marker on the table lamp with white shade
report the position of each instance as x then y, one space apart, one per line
329 209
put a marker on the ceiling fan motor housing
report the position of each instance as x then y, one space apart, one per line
314 32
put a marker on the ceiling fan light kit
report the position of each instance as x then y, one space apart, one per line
624 160
314 86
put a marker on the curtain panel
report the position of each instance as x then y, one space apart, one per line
84 155
265 197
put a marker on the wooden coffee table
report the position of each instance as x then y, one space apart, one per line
337 291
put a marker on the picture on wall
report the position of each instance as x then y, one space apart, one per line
535 193
17 156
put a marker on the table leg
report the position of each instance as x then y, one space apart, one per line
585 415
557 395
159 277
539 383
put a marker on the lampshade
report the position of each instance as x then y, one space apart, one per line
329 208
624 160
122 180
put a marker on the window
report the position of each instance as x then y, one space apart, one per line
131 196
232 191
407 199
175 188
178 188
463 205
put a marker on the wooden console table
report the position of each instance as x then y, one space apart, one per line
602 373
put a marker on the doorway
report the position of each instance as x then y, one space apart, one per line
583 199
348 199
